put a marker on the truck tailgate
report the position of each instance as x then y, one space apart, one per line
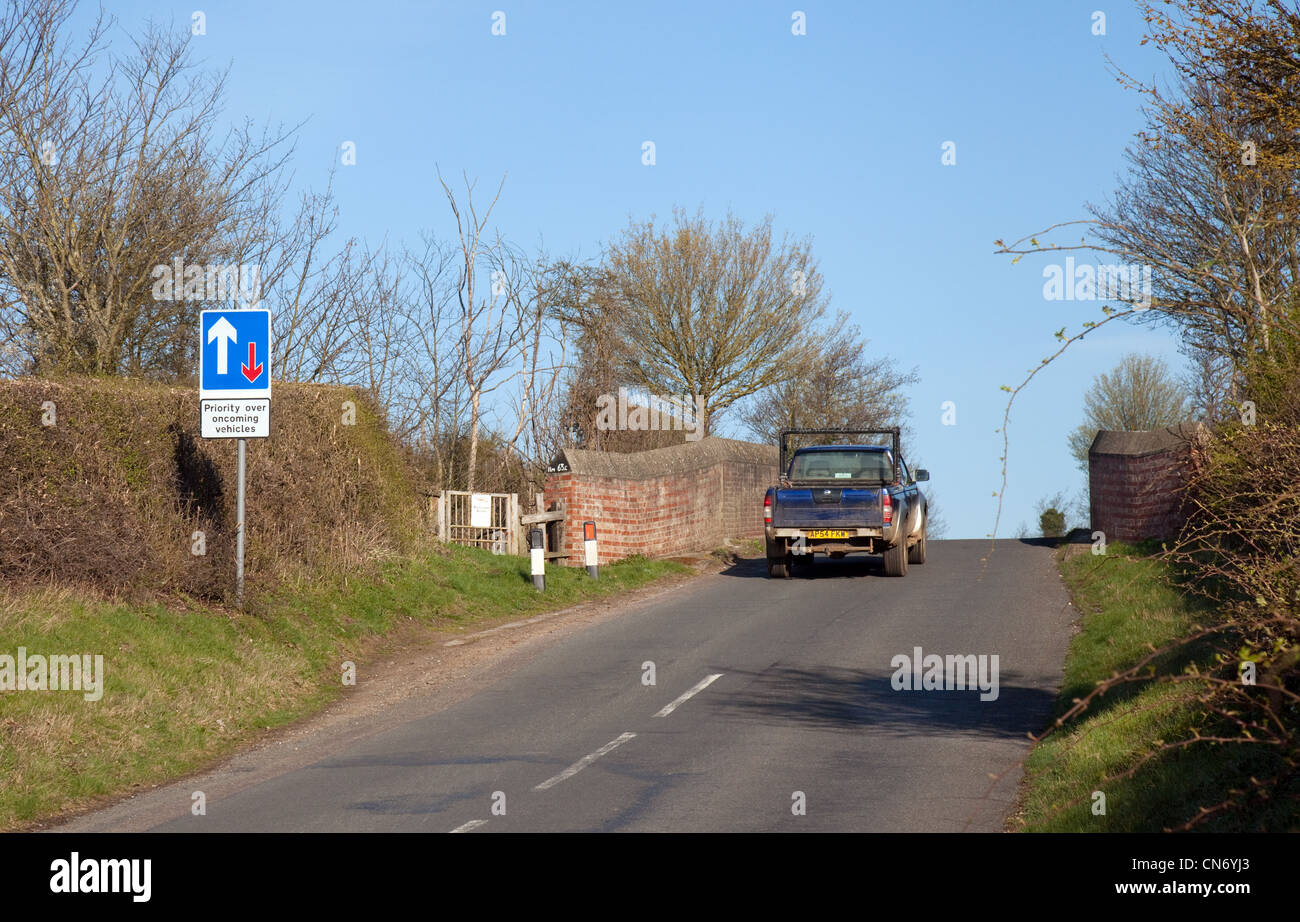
827 507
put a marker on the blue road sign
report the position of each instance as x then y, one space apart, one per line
235 354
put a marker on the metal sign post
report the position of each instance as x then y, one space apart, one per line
235 398
239 529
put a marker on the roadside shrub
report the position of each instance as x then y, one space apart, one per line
119 493
1051 522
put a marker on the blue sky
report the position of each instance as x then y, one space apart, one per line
836 133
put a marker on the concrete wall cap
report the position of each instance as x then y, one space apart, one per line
1145 441
660 462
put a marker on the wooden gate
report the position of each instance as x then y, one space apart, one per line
486 520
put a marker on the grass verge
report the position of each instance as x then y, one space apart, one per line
1129 605
185 685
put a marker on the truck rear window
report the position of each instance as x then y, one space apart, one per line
843 465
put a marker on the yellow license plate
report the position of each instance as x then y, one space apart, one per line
828 533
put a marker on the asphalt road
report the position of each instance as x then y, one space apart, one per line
801 701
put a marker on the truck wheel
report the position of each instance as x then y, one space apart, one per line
896 559
778 567
916 553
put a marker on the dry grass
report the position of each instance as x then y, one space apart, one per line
108 498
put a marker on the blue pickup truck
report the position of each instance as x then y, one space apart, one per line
848 498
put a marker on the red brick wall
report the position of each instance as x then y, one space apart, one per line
1134 497
742 498
658 516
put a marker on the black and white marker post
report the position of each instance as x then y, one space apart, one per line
536 550
589 548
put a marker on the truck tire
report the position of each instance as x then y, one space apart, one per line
916 553
778 567
896 559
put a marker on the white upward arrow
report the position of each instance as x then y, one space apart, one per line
223 329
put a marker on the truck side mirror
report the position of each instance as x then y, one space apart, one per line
922 474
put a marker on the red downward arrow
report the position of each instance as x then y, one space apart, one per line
252 370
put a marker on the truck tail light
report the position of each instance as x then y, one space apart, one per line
767 509
888 507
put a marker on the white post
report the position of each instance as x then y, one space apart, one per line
538 558
589 548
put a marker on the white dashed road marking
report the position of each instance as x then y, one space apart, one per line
698 687
584 762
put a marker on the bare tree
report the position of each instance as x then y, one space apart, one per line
842 388
1138 393
1210 206
1208 380
488 330
718 312
107 184
1214 230
436 386
586 302
306 285
541 357
936 523
379 331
